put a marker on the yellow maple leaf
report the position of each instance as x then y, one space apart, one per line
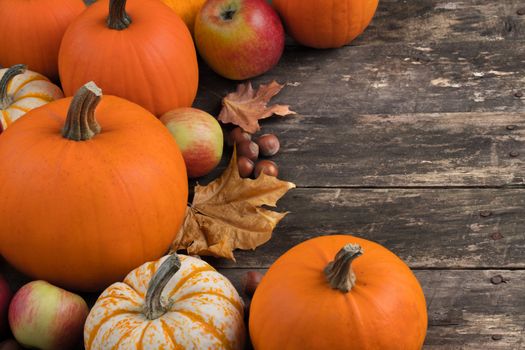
246 106
227 214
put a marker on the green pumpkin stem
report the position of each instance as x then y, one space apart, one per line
153 307
5 99
339 272
118 19
81 124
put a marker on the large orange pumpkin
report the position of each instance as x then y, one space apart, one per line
85 195
31 32
317 297
142 52
325 23
186 9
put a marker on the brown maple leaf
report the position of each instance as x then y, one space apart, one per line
227 214
246 106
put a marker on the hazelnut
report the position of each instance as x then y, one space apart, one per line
266 166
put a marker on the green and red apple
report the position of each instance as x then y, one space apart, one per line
199 137
47 317
239 39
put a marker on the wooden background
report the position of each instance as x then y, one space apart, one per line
412 136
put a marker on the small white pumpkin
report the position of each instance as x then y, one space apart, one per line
22 90
177 302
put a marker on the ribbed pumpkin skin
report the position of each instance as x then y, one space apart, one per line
325 24
186 9
81 215
152 63
207 312
31 32
294 307
29 91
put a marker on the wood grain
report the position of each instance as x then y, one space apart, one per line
409 150
427 21
465 309
428 228
391 79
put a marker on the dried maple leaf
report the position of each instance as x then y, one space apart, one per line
246 106
227 214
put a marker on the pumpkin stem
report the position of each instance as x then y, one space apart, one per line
5 99
118 19
153 308
339 272
81 124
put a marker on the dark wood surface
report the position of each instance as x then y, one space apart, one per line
412 136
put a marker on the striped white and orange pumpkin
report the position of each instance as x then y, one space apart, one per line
22 90
177 302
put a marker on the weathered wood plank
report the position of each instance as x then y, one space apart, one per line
393 78
428 228
443 149
427 21
410 150
466 310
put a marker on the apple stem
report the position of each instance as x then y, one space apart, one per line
153 307
228 13
81 124
118 19
5 99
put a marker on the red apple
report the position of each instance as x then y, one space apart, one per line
239 39
199 137
47 317
5 297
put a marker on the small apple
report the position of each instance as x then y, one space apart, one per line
47 317
5 297
199 137
239 39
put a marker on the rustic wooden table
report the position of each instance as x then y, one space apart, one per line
413 137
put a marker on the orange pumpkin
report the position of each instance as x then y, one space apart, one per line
316 296
22 91
325 23
83 203
186 9
178 302
142 52
31 32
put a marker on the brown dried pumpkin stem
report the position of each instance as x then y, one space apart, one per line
153 307
118 19
5 99
81 124
339 272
